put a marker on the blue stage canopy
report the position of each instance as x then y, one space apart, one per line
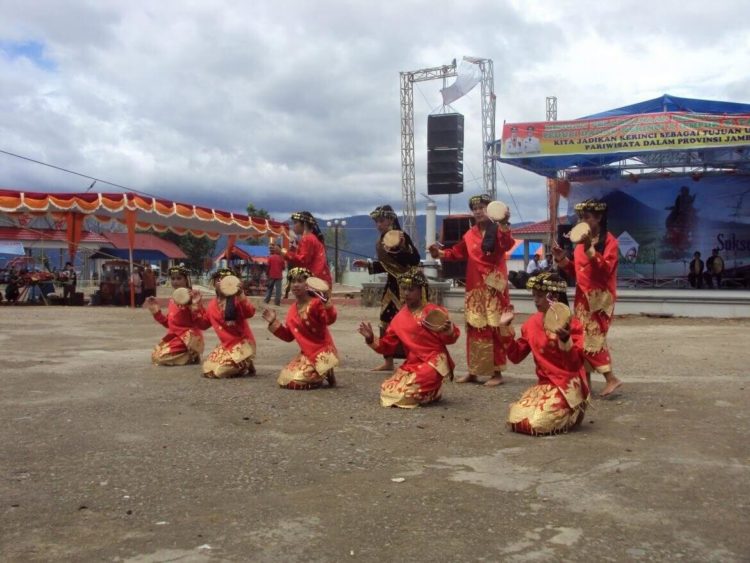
673 103
602 139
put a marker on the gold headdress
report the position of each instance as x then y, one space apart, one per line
483 199
547 282
295 274
591 205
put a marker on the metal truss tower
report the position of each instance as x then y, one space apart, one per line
553 196
408 177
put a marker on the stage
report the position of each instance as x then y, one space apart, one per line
716 303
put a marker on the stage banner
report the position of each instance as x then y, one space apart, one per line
628 133
661 222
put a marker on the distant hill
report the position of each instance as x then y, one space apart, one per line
358 237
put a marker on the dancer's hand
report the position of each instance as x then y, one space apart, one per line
586 241
507 316
434 250
152 305
557 252
563 333
365 329
196 297
269 316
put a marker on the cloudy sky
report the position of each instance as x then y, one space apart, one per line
295 104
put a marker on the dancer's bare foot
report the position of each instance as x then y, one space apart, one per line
612 385
387 366
331 378
468 378
494 381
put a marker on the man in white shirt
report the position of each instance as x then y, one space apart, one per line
514 144
533 266
530 143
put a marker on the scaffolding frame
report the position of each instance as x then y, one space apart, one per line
408 175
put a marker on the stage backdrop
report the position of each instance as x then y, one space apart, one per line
662 221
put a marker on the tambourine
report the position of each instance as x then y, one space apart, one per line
318 286
578 232
392 241
435 319
230 285
181 296
497 211
557 316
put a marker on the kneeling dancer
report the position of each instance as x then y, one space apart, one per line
233 357
306 322
558 401
185 322
424 330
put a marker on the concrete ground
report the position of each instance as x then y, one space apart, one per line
107 458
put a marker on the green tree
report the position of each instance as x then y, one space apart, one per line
253 211
199 250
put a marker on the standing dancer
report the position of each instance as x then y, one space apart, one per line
483 247
233 357
558 401
424 330
594 267
395 261
310 252
185 322
306 322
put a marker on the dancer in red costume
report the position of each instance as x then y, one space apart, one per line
234 355
307 322
557 403
310 253
483 247
419 379
183 343
594 267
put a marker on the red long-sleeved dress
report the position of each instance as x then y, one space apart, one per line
558 401
234 355
183 343
418 380
318 354
311 254
596 292
487 296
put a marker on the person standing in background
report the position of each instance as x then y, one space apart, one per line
275 277
70 279
149 283
714 269
696 270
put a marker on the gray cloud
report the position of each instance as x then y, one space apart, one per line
296 104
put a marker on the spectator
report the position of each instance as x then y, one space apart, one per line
714 269
137 282
695 275
275 277
149 283
533 266
70 279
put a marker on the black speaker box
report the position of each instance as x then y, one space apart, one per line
452 231
445 131
445 171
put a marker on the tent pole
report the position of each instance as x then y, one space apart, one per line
132 285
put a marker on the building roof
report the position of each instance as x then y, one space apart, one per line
146 241
540 228
23 234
